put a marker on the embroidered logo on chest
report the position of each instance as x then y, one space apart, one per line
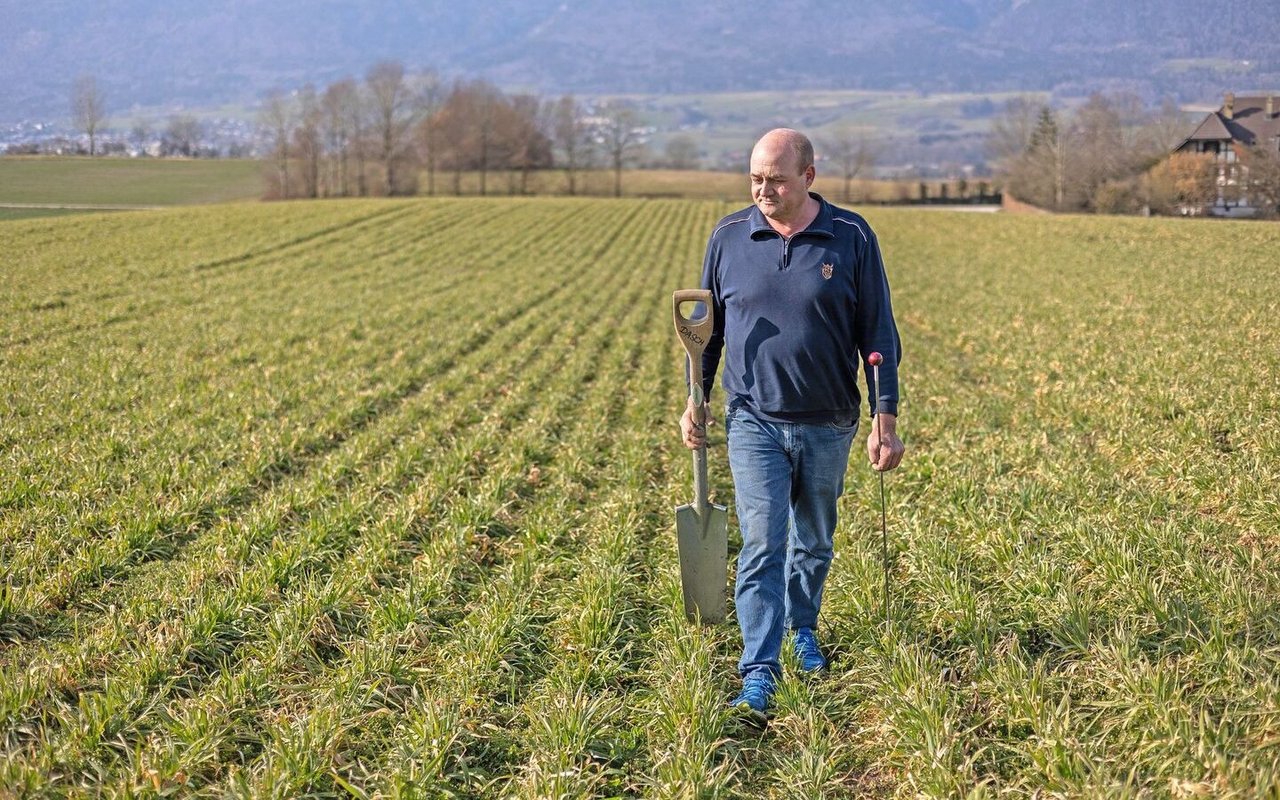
827 270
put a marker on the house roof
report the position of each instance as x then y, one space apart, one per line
1249 124
1213 128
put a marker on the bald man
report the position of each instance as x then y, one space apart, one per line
800 298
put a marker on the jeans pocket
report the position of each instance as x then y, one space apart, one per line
852 427
730 411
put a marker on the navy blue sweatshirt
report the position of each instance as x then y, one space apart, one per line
795 316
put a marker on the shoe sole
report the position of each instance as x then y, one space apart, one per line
749 715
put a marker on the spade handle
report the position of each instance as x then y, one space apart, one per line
694 335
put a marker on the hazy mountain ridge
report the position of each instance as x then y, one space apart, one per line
205 54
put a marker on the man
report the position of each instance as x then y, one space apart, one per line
800 294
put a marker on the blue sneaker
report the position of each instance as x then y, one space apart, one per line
753 700
808 653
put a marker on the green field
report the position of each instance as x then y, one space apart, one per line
126 181
82 185
375 499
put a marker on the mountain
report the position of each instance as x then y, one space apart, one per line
149 53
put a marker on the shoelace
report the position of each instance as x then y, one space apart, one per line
807 647
757 688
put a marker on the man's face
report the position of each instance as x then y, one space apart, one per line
779 187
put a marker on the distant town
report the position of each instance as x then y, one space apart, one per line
181 135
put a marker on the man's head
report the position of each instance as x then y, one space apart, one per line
781 173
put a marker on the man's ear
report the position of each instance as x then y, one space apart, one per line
809 175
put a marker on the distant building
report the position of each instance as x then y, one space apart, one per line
1241 122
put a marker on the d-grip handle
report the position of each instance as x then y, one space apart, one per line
694 335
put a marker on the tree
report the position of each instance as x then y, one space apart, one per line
523 128
852 152
140 136
307 142
1045 173
392 115
429 98
1262 174
1094 158
681 152
1104 150
620 136
337 133
467 127
88 108
1182 183
182 136
1165 128
572 138
357 111
276 120
1011 131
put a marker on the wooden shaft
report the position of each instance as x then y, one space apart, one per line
694 335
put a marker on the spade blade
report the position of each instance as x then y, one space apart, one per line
704 561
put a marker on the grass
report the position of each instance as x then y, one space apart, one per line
375 498
731 187
121 181
7 214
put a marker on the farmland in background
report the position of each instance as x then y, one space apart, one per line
124 182
89 184
375 498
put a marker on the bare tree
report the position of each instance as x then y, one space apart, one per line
429 97
140 136
182 136
88 108
621 140
486 103
307 140
1166 127
357 110
393 116
1044 173
528 144
450 127
1012 129
1104 145
681 152
852 152
337 133
276 120
473 127
572 139
1262 178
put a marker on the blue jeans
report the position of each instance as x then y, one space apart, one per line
787 478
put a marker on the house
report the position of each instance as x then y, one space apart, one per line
1242 122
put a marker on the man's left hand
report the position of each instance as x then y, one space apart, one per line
884 448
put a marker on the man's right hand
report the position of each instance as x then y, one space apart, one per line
694 435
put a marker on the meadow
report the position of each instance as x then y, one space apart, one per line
375 499
43 186
66 180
